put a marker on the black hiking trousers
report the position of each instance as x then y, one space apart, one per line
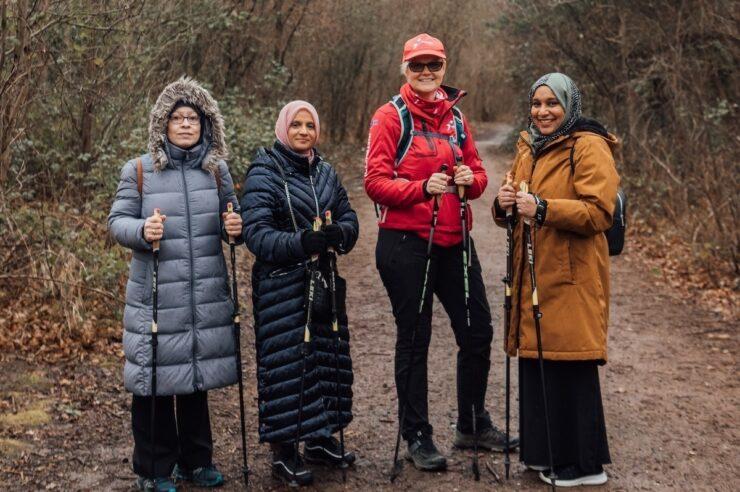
182 433
401 258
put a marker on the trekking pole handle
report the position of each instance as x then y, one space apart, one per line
524 187
510 182
229 210
327 221
316 228
442 169
461 191
155 244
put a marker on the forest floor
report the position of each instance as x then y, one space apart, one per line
671 392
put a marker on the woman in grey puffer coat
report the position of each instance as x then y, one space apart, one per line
183 176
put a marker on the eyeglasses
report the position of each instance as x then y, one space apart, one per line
178 119
418 67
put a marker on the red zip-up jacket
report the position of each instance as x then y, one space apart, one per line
400 191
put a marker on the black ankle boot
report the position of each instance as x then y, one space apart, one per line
286 468
327 451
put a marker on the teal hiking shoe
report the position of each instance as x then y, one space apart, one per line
205 476
156 484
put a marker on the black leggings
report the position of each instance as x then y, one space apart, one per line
401 259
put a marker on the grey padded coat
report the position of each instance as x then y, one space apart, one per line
196 340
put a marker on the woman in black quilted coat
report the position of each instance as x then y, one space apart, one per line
287 186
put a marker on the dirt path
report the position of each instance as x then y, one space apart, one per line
670 389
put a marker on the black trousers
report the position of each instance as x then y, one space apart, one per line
401 259
577 424
182 433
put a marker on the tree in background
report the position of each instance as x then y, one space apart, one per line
77 79
663 76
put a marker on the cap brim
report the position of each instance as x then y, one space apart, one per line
426 52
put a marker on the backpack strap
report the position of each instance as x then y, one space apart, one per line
460 135
139 176
572 155
407 126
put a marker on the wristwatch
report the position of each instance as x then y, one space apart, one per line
541 212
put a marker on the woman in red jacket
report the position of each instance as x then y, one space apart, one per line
420 150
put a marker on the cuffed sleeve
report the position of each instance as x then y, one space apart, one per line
227 195
125 222
595 181
346 217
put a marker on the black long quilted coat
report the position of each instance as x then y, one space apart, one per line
278 288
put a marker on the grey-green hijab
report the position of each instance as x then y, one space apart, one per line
568 96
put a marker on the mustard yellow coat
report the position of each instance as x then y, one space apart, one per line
571 252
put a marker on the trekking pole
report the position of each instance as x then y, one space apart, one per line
537 315
476 469
237 343
465 247
335 331
304 349
155 292
398 465
510 218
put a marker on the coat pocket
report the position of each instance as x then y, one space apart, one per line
569 265
558 246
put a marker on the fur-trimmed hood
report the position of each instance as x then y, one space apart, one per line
188 90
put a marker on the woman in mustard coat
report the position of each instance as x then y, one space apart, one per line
570 204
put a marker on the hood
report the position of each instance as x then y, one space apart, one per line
190 91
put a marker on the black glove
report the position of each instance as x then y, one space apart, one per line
313 242
334 236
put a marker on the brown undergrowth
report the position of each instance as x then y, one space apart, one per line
62 282
683 268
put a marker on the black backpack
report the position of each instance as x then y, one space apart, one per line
615 234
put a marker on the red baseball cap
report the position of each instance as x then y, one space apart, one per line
423 44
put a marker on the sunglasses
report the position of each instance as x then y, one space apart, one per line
418 67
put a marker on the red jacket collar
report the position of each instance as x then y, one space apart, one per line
433 111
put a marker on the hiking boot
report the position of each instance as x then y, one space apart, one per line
162 484
327 451
573 476
205 476
490 438
424 453
285 468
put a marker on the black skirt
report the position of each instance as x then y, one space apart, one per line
576 415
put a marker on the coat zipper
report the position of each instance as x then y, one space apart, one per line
315 198
192 278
